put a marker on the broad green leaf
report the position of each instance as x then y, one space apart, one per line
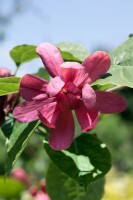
86 160
121 71
8 125
69 57
18 141
42 72
9 85
118 75
23 53
29 55
103 87
123 55
72 51
3 153
69 189
10 188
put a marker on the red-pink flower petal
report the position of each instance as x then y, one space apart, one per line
96 65
10 101
55 86
63 102
87 119
28 110
72 89
33 87
51 58
74 72
89 96
73 101
107 102
49 114
67 102
62 136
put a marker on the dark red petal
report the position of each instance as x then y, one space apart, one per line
108 102
10 101
87 119
96 65
72 89
62 136
63 102
48 114
33 87
28 110
67 101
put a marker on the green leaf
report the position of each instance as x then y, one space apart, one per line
119 75
10 188
69 57
23 53
103 87
8 125
42 72
69 189
121 71
18 141
86 160
3 153
123 55
9 85
72 51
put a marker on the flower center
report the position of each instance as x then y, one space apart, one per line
69 97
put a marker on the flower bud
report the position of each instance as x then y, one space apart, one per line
21 175
4 72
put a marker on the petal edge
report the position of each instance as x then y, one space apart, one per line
96 65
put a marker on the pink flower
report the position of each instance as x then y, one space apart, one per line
41 196
39 192
69 90
4 72
21 175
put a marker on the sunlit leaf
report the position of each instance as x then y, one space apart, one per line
121 70
9 85
119 75
23 53
87 160
73 51
123 55
10 188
